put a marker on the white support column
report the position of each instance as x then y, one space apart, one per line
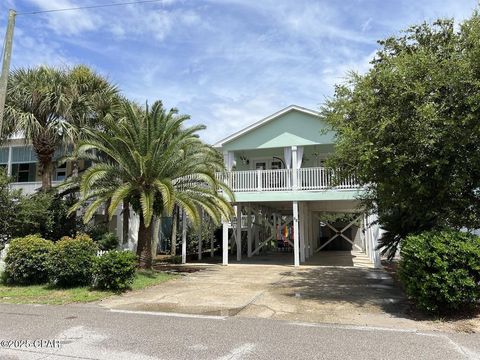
184 237
200 237
249 231
225 243
294 168
239 232
302 232
296 245
368 238
308 233
9 162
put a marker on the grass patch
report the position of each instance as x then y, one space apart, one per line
47 294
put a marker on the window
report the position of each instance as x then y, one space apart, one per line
24 172
276 165
4 158
61 172
260 165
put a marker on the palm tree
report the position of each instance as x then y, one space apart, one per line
155 163
34 107
90 97
50 106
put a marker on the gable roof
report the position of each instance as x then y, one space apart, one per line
263 122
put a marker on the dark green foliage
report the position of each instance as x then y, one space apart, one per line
26 260
7 208
41 213
44 213
71 261
409 129
441 270
33 216
109 241
115 270
100 234
95 231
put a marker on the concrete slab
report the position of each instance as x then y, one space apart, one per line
353 294
322 258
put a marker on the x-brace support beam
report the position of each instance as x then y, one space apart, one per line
340 234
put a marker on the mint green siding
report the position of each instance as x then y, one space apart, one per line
266 196
313 155
291 128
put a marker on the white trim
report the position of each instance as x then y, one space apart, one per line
253 126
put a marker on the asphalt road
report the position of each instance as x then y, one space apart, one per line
91 332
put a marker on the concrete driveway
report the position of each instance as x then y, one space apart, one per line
329 294
318 292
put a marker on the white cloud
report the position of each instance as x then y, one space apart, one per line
30 51
67 22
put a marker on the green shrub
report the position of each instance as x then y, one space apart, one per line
26 260
441 270
115 270
108 241
71 262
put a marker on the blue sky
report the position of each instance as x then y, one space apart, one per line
227 63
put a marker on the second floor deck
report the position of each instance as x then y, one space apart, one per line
304 179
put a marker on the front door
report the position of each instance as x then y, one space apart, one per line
270 180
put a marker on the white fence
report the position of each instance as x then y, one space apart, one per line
315 178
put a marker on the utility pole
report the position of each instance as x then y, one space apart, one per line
7 54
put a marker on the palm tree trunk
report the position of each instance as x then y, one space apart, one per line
44 148
106 218
144 247
173 245
46 169
126 221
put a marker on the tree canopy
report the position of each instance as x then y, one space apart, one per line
50 105
153 161
410 129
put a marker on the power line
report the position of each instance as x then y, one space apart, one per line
90 7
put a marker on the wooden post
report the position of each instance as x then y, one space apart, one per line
184 237
296 245
7 55
310 233
225 244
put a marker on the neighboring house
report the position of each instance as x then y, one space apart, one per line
276 168
20 161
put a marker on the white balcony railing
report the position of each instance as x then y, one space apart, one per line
30 187
317 178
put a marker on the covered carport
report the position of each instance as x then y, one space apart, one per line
300 232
